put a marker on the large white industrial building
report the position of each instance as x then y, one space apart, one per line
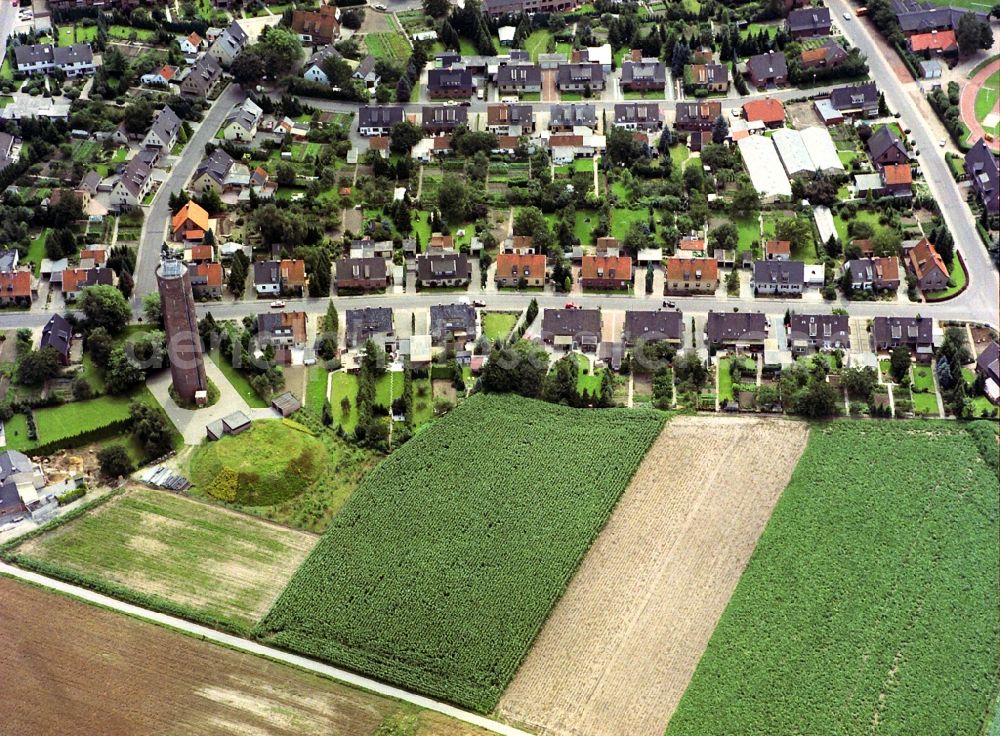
766 172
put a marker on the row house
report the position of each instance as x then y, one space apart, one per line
162 134
815 332
697 116
378 119
206 280
241 124
510 119
873 274
43 58
438 119
914 333
229 44
519 78
638 116
579 77
135 182
361 274
287 276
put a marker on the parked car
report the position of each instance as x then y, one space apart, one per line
572 305
479 303
847 16
277 304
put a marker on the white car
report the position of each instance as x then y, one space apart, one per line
277 304
942 143
847 16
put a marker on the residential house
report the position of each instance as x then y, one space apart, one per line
692 116
450 84
736 330
781 278
378 119
9 260
809 22
190 45
638 116
362 274
134 183
885 148
710 77
453 324
317 27
827 56
285 329
988 366
74 60
606 272
510 119
314 69
508 7
515 270
230 44
856 101
75 280
368 248
202 78
643 326
190 223
914 333
983 168
873 274
58 335
22 488
241 124
777 250
443 269
933 43
365 72
580 78
519 78
370 323
815 332
897 180
768 70
16 288
161 77
768 111
691 245
917 16
443 118
206 280
567 118
926 264
199 253
9 150
162 135
688 276
572 329
213 172
646 75
279 277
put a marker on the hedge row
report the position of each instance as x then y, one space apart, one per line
112 429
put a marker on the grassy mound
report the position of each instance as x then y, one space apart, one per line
269 463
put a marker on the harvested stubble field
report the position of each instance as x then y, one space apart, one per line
211 561
621 645
70 667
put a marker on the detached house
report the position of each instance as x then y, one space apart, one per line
229 44
161 77
814 332
452 323
443 118
781 278
206 280
579 77
606 272
286 276
15 288
828 56
201 80
913 333
314 69
736 330
856 101
692 116
513 269
566 118
873 274
768 70
686 276
378 120
362 274
518 78
443 269
926 264
885 148
58 335
162 134
988 366
370 323
284 329
934 42
190 44
711 77
768 111
808 22
317 27
450 84
572 329
645 75
652 327
897 180
242 122
638 116
190 223
75 280
509 119
983 168
133 185
366 74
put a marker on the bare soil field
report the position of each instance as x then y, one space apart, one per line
74 668
620 647
201 556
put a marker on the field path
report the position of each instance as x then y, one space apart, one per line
245 645
620 647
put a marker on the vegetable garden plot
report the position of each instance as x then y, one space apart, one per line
440 570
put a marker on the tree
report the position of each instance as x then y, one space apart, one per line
99 344
436 8
35 367
82 389
720 130
105 306
886 242
122 373
724 236
404 90
115 461
453 199
331 322
972 34
746 201
248 69
519 369
622 147
152 308
280 49
152 428
859 382
126 284
285 175
138 116
561 382
531 221
404 136
899 363
61 243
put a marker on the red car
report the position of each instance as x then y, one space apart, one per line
572 305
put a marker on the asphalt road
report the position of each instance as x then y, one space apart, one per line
154 229
250 647
980 300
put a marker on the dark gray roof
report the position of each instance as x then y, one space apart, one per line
57 334
771 64
572 322
923 17
38 53
854 96
637 112
447 319
203 74
364 269
698 112
580 74
134 174
988 361
285 403
379 116
573 115
809 19
236 32
217 165
443 266
322 55
360 324
903 330
644 72
524 74
266 272
166 124
651 326
736 326
882 140
8 258
366 67
11 462
984 165
78 53
779 272
449 79
818 328
444 115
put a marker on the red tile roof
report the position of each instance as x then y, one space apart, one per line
212 271
897 174
621 265
678 267
923 257
512 263
768 110
936 41
15 284
778 246
293 271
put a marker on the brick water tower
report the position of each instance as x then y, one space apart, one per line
187 363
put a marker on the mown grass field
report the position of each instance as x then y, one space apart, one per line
437 574
390 46
871 601
497 325
227 566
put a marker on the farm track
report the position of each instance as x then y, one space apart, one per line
620 647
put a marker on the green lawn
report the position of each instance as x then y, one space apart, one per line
222 566
423 402
239 382
571 96
66 36
127 33
584 164
497 325
924 394
583 225
679 154
6 72
36 250
388 388
316 389
986 102
725 380
537 43
622 219
749 229
345 386
862 216
587 381
390 46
